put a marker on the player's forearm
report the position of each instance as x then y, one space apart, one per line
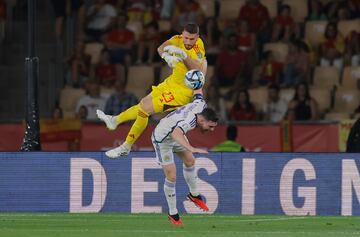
195 64
160 49
179 137
192 64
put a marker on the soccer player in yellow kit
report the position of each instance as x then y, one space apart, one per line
182 52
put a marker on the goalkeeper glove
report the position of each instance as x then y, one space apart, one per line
171 49
170 60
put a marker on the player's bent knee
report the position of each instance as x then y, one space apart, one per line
187 158
189 162
146 105
171 177
170 173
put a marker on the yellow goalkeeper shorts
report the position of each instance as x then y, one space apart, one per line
167 98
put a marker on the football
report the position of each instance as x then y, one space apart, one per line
194 79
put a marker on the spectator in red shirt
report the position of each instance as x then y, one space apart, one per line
258 18
229 64
246 39
255 14
247 44
270 69
105 70
284 26
119 41
243 109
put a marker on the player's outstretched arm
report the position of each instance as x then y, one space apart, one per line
178 136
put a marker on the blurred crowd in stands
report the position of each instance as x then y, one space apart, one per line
268 59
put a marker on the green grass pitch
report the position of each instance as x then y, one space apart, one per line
151 225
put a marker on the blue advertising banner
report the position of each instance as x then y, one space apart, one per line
239 183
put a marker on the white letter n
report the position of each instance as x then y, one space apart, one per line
350 180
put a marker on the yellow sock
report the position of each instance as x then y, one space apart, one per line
129 114
138 127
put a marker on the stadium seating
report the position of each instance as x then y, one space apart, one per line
314 31
336 116
346 100
280 50
258 96
345 27
350 78
287 94
140 79
322 96
164 25
326 77
299 9
68 100
229 9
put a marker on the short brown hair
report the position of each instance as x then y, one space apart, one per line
192 28
210 115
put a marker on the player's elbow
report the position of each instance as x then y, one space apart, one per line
174 135
160 49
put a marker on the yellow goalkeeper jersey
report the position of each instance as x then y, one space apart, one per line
176 79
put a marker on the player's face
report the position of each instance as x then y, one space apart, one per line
207 125
189 39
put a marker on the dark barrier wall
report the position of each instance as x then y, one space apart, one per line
308 137
246 183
